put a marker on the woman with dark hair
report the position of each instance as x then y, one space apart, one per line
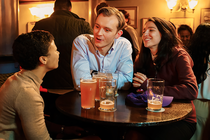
162 57
200 51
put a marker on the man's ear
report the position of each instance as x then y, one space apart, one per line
43 59
119 33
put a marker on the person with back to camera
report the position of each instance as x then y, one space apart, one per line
21 106
65 26
161 56
200 53
130 33
185 33
105 50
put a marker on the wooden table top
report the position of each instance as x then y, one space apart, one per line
70 105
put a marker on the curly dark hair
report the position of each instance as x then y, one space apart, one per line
168 42
27 48
200 50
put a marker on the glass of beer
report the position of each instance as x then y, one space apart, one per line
88 91
107 95
155 90
97 76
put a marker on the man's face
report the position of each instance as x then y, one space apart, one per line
184 35
105 31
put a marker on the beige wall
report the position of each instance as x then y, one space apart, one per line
146 8
25 16
158 8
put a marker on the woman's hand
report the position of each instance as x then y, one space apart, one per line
138 79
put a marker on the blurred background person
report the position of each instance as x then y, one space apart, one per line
99 6
200 53
185 33
130 33
65 26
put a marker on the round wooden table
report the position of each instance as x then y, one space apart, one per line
70 105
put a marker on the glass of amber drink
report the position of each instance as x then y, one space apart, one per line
98 76
88 91
155 90
107 95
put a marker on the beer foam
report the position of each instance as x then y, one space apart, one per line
107 104
88 81
154 102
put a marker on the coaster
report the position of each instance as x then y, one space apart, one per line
161 110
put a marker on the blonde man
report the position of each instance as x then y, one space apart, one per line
105 50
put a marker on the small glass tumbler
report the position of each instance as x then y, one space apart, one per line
98 76
110 76
107 95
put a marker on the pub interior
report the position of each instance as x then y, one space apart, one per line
25 14
22 20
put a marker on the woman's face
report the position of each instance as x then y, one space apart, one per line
151 36
53 57
185 36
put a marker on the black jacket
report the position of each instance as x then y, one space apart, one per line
65 26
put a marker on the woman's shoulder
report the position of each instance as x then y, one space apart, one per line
181 54
178 50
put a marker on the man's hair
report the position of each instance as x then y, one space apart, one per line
27 48
185 27
62 5
109 11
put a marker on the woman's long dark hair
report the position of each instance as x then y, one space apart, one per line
200 50
166 46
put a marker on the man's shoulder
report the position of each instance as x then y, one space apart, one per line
123 41
84 37
63 17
